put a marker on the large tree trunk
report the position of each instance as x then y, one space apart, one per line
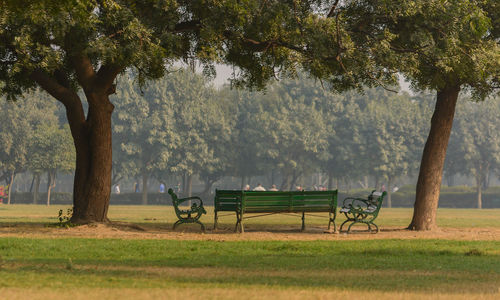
91 134
92 187
431 166
145 177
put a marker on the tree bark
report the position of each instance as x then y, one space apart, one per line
183 188
92 187
51 184
145 177
32 183
479 196
243 182
293 183
479 185
11 184
431 166
330 180
208 186
91 134
284 182
37 188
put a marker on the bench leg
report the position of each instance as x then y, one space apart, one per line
177 224
303 221
342 225
202 226
349 228
239 223
330 222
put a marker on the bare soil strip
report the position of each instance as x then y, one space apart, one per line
263 292
120 230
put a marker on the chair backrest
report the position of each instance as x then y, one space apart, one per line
376 199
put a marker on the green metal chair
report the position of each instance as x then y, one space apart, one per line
360 210
191 215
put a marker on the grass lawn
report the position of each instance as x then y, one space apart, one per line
393 217
47 267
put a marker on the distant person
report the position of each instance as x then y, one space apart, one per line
382 188
117 189
273 188
259 188
162 188
136 187
247 187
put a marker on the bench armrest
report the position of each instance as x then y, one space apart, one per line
179 201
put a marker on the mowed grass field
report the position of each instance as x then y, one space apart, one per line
37 262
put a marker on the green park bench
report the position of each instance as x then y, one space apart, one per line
191 215
267 203
360 210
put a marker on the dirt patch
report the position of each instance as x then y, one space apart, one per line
262 292
122 230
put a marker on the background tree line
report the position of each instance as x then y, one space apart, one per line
182 127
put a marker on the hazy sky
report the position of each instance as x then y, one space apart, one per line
224 73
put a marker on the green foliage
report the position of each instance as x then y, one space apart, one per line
18 123
434 44
475 140
172 126
65 219
52 149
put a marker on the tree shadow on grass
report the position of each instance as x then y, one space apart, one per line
362 279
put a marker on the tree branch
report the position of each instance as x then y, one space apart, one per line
84 70
332 10
73 104
53 87
187 26
106 76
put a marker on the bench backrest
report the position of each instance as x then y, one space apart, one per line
289 201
